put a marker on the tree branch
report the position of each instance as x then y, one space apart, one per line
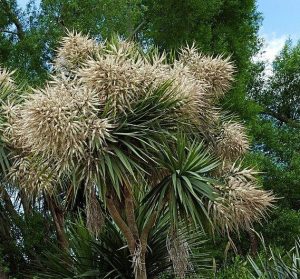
130 214
13 18
147 229
137 29
8 31
26 202
151 221
121 224
58 218
283 118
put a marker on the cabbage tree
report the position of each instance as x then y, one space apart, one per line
116 123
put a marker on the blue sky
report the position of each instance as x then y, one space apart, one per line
281 21
281 17
22 3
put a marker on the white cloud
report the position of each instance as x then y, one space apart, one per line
271 48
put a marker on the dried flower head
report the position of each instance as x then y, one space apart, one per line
54 122
217 72
94 213
232 142
241 202
116 80
195 91
74 50
180 254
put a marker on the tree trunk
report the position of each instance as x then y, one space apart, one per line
26 203
141 272
59 220
3 275
135 240
130 233
253 243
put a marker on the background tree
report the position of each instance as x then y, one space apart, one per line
276 136
221 26
29 37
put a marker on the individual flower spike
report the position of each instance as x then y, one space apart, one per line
74 50
231 141
235 171
241 202
123 49
32 174
99 131
217 72
6 80
9 127
188 87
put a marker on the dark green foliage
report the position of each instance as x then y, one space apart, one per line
237 268
226 27
107 256
219 26
88 257
283 228
22 241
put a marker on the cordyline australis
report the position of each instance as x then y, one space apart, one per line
141 134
